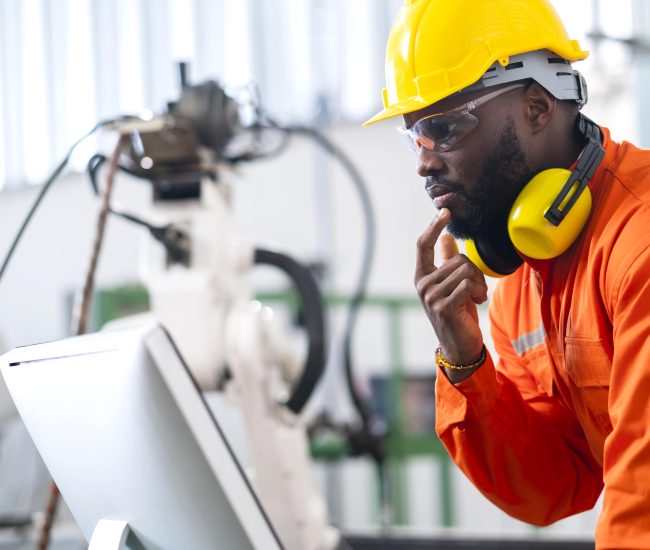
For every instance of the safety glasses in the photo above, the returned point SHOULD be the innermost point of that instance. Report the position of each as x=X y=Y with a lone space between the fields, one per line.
x=443 y=131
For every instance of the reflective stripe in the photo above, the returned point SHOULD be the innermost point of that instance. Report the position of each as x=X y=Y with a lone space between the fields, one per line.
x=529 y=340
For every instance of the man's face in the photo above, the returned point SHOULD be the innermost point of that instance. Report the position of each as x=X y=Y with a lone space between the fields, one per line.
x=479 y=178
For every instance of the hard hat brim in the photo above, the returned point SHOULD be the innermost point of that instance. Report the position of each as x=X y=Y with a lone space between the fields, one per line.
x=396 y=110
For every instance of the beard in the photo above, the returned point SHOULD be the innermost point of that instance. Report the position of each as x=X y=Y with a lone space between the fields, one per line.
x=505 y=173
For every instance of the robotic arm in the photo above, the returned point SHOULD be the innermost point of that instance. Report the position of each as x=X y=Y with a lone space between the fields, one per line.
x=200 y=290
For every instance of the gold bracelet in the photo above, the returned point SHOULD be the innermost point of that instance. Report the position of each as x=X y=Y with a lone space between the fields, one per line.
x=441 y=361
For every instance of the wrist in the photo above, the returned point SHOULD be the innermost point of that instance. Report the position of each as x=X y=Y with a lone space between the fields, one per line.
x=451 y=363
x=457 y=372
x=464 y=354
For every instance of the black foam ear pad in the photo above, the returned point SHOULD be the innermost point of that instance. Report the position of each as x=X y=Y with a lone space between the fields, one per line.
x=498 y=253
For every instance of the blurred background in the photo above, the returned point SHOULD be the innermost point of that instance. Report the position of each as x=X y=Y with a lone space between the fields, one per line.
x=66 y=64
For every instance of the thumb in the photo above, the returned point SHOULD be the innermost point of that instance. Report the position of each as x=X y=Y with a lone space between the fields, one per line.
x=448 y=247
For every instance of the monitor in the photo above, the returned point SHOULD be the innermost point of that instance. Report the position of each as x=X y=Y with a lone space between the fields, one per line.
x=128 y=437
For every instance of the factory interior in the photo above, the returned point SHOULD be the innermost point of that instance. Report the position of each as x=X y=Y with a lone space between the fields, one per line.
x=253 y=270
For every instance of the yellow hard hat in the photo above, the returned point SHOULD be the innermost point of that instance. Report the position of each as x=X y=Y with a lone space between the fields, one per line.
x=438 y=47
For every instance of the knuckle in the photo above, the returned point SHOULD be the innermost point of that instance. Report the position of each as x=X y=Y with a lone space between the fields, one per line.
x=423 y=242
x=466 y=269
x=439 y=308
x=465 y=285
x=453 y=263
x=430 y=300
x=470 y=265
x=421 y=285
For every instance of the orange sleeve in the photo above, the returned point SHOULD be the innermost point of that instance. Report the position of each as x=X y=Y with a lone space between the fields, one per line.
x=517 y=443
x=625 y=519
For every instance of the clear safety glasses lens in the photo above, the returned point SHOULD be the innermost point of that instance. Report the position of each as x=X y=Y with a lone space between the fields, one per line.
x=438 y=132
x=443 y=131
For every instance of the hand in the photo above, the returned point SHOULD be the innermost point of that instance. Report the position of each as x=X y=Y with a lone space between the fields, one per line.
x=449 y=293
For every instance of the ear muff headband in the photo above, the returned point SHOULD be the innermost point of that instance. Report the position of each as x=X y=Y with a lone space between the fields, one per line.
x=588 y=162
x=547 y=216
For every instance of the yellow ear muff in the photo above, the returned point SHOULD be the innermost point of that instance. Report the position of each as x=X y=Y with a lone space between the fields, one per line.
x=531 y=233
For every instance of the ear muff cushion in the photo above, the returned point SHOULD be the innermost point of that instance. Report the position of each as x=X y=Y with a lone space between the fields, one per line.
x=495 y=257
x=531 y=233
x=475 y=258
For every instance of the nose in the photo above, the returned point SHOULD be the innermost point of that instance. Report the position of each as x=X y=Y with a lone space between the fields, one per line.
x=429 y=162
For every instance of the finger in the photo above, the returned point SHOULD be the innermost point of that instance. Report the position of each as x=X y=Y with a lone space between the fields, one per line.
x=448 y=247
x=457 y=268
x=432 y=288
x=424 y=263
x=467 y=292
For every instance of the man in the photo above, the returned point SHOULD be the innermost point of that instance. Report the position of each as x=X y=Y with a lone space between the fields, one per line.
x=490 y=101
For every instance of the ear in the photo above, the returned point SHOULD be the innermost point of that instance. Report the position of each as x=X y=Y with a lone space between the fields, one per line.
x=540 y=107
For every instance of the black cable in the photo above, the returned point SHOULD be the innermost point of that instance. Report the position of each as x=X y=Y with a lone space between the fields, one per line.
x=15 y=521
x=362 y=283
x=367 y=418
x=44 y=189
x=257 y=153
x=94 y=164
x=314 y=323
x=370 y=438
x=259 y=128
x=172 y=237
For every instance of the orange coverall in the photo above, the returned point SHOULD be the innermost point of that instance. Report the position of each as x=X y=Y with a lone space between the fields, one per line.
x=566 y=410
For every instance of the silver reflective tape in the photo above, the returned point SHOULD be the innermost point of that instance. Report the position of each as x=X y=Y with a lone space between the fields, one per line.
x=529 y=340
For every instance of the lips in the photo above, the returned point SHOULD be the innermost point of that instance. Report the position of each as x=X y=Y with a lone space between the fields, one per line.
x=440 y=194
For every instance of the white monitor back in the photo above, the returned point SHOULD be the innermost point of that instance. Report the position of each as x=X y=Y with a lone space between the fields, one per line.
x=127 y=436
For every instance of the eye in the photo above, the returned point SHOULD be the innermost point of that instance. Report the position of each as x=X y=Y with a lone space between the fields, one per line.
x=440 y=130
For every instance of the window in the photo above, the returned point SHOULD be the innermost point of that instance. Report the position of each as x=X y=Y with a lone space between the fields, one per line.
x=65 y=64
